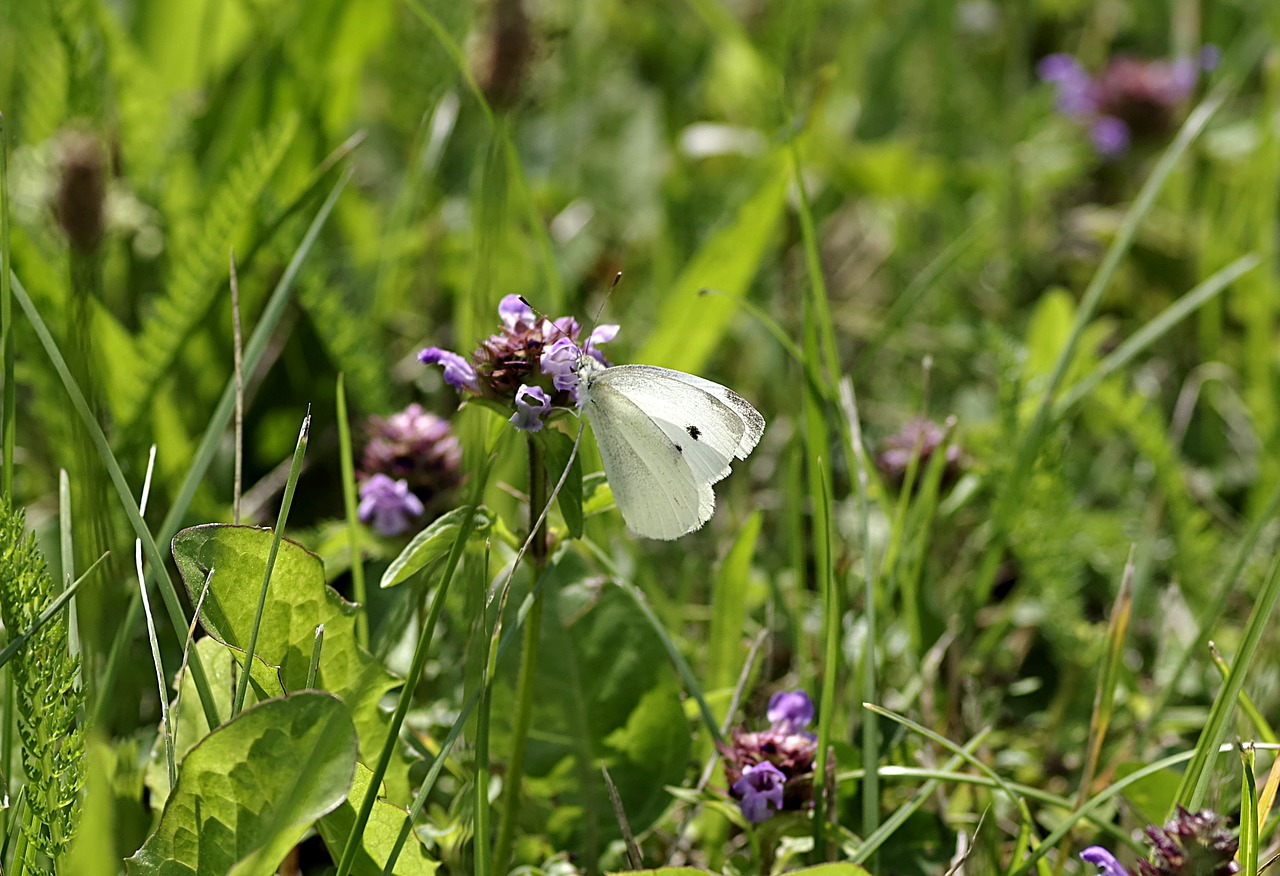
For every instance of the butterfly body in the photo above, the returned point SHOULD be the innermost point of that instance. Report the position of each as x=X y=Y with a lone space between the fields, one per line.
x=665 y=437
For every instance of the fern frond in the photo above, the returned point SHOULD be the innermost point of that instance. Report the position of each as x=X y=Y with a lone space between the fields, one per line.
x=42 y=73
x=351 y=340
x=198 y=277
x=48 y=702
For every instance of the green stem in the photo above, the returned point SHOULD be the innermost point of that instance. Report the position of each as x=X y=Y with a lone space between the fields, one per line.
x=528 y=661
x=358 y=591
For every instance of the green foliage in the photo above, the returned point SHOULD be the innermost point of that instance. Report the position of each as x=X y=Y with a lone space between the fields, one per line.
x=49 y=699
x=298 y=602
x=251 y=789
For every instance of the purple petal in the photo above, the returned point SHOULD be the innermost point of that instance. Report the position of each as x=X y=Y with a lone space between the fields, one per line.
x=559 y=362
x=457 y=370
x=1110 y=136
x=513 y=311
x=531 y=403
x=760 y=785
x=1105 y=861
x=789 y=711
x=388 y=504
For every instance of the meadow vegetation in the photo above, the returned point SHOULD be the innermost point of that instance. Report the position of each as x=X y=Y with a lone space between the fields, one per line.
x=281 y=594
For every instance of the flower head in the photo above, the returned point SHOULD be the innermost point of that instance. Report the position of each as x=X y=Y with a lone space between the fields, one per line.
x=760 y=785
x=1191 y=844
x=920 y=438
x=417 y=447
x=785 y=748
x=530 y=364
x=1131 y=98
x=388 y=504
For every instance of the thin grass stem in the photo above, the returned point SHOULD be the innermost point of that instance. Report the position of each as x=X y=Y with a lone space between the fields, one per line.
x=313 y=668
x=299 y=450
x=156 y=659
x=347 y=459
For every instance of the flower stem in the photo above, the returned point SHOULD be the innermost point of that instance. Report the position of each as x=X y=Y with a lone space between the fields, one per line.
x=528 y=661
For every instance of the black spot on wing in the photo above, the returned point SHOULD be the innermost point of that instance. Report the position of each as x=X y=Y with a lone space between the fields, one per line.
x=679 y=449
x=694 y=432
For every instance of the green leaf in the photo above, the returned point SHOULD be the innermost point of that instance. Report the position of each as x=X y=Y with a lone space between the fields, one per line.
x=433 y=543
x=604 y=691
x=727 y=263
x=251 y=790
x=199 y=275
x=299 y=600
x=559 y=447
x=378 y=837
x=724 y=650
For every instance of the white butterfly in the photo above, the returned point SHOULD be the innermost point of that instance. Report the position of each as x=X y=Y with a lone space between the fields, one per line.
x=665 y=437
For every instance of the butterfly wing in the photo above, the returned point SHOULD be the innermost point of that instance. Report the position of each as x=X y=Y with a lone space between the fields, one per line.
x=705 y=426
x=653 y=486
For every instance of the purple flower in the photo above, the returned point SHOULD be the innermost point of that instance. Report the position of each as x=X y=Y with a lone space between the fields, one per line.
x=760 y=785
x=790 y=711
x=560 y=363
x=457 y=371
x=416 y=446
x=389 y=504
x=529 y=352
x=1105 y=861
x=531 y=404
x=515 y=313
x=1074 y=96
x=1110 y=136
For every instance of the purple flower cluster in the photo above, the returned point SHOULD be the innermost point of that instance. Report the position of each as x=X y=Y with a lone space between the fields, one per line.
x=772 y=770
x=1130 y=98
x=1191 y=844
x=411 y=461
x=920 y=438
x=531 y=363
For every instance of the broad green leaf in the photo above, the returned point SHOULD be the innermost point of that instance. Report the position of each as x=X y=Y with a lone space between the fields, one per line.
x=251 y=790
x=433 y=543
x=379 y=835
x=221 y=663
x=727 y=263
x=559 y=446
x=604 y=691
x=297 y=602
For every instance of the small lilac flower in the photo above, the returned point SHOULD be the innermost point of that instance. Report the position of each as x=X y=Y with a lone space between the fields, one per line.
x=559 y=362
x=601 y=334
x=790 y=711
x=1110 y=136
x=458 y=372
x=1105 y=861
x=388 y=504
x=514 y=312
x=920 y=438
x=1074 y=97
x=531 y=404
x=760 y=785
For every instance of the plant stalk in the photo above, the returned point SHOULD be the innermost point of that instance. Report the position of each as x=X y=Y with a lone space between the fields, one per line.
x=528 y=660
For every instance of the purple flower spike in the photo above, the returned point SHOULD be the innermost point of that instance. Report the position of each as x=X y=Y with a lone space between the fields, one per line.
x=1110 y=136
x=458 y=372
x=1105 y=861
x=531 y=404
x=790 y=711
x=760 y=785
x=513 y=312
x=389 y=504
